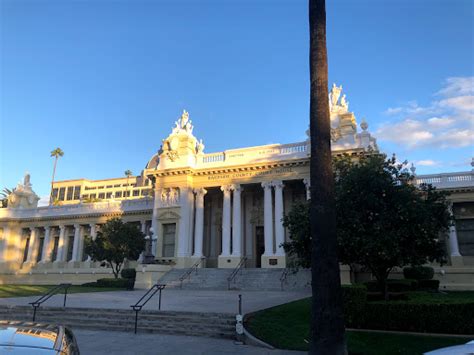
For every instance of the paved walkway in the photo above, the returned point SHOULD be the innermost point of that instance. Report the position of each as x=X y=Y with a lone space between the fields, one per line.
x=118 y=343
x=172 y=300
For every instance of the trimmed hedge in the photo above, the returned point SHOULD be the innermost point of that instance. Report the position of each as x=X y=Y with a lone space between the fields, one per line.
x=129 y=273
x=112 y=283
x=418 y=272
x=435 y=318
x=394 y=285
x=354 y=298
x=431 y=285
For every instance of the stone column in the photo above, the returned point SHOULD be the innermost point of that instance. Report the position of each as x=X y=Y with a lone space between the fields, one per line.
x=46 y=254
x=93 y=231
x=4 y=257
x=226 y=220
x=154 y=218
x=185 y=228
x=75 y=246
x=143 y=230
x=455 y=255
x=279 y=229
x=307 y=184
x=80 y=255
x=237 y=222
x=199 y=222
x=268 y=218
x=61 y=254
x=32 y=247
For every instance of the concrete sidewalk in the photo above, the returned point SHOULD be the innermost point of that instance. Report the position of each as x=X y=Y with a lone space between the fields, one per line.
x=118 y=343
x=172 y=300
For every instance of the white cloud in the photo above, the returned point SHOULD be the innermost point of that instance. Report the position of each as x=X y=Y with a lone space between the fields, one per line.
x=44 y=201
x=447 y=122
x=427 y=162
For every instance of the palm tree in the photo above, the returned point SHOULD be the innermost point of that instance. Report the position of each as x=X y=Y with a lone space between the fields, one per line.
x=327 y=321
x=56 y=154
x=4 y=196
x=127 y=173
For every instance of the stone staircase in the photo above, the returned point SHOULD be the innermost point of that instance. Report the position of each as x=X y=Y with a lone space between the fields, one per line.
x=217 y=325
x=247 y=279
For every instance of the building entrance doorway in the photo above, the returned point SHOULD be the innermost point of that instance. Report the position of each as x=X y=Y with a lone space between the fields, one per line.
x=259 y=245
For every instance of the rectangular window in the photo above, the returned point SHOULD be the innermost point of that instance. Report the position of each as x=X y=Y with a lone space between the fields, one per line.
x=136 y=192
x=169 y=234
x=55 y=194
x=118 y=185
x=100 y=187
x=93 y=195
x=118 y=194
x=39 y=254
x=85 y=197
x=70 y=245
x=145 y=192
x=465 y=231
x=126 y=194
x=62 y=192
x=25 y=251
x=108 y=187
x=70 y=192
x=101 y=195
x=77 y=192
x=54 y=254
x=108 y=195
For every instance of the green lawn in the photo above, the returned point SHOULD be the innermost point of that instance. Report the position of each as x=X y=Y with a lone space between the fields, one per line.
x=287 y=327
x=33 y=290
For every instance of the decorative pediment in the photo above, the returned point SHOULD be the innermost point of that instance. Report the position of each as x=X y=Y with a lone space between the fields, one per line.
x=168 y=215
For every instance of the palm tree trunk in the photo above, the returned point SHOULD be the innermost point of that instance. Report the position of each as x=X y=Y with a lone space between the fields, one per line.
x=52 y=181
x=327 y=320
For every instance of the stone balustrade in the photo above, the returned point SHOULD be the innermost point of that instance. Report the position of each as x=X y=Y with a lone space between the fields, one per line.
x=448 y=180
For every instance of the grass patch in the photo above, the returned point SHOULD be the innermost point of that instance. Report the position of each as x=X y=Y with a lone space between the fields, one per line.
x=36 y=290
x=287 y=327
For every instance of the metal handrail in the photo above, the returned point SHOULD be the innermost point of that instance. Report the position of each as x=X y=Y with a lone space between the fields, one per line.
x=187 y=274
x=137 y=307
x=48 y=295
x=234 y=273
x=283 y=277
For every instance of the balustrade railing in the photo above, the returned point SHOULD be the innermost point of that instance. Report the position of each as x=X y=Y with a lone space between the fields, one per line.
x=188 y=272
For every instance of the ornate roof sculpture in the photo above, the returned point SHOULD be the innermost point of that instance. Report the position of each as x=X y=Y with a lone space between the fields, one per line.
x=344 y=133
x=23 y=196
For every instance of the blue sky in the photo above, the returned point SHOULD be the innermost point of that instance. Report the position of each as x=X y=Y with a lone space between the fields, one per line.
x=105 y=80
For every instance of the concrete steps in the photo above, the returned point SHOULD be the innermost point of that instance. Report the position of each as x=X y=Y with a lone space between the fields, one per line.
x=246 y=279
x=220 y=325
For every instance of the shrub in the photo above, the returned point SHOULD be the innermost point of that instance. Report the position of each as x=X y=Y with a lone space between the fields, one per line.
x=394 y=285
x=354 y=298
x=418 y=272
x=457 y=318
x=118 y=283
x=431 y=285
x=129 y=273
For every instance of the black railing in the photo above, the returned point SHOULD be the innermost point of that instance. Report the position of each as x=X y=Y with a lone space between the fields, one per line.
x=48 y=295
x=283 y=277
x=238 y=268
x=137 y=307
x=187 y=274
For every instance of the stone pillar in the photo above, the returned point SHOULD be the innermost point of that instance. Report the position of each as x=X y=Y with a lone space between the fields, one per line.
x=184 y=235
x=143 y=230
x=268 y=218
x=32 y=252
x=226 y=221
x=307 y=184
x=237 y=222
x=199 y=222
x=61 y=254
x=77 y=242
x=46 y=254
x=455 y=255
x=154 y=218
x=5 y=245
x=93 y=231
x=80 y=255
x=279 y=229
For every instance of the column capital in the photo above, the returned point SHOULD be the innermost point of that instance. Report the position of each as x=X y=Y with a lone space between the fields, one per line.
x=267 y=185
x=62 y=227
x=226 y=189
x=278 y=184
x=237 y=188
x=201 y=191
x=307 y=182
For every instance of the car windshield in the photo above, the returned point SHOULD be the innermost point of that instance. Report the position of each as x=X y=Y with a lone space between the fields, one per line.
x=18 y=336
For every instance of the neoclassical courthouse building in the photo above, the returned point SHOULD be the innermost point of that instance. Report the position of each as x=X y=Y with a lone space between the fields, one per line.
x=221 y=206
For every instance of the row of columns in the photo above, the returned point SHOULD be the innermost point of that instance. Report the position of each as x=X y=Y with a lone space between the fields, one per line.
x=232 y=220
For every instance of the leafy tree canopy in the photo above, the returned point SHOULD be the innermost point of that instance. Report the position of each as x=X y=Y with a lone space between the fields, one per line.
x=383 y=219
x=115 y=242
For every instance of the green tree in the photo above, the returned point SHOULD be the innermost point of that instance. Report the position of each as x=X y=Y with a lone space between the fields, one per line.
x=57 y=153
x=115 y=242
x=327 y=319
x=383 y=219
x=127 y=173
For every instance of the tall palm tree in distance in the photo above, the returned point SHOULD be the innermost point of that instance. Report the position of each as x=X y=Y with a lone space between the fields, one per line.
x=327 y=321
x=127 y=173
x=57 y=153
